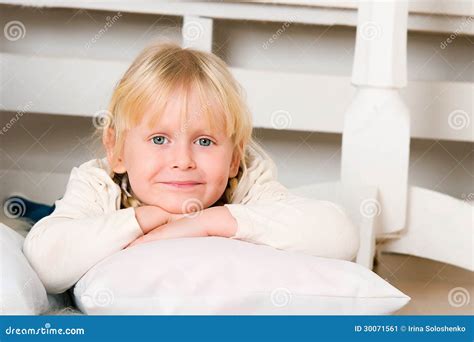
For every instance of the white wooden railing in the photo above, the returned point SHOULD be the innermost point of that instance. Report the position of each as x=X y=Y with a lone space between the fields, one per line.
x=375 y=151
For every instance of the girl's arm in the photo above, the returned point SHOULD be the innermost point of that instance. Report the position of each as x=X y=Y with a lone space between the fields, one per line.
x=289 y=222
x=278 y=219
x=215 y=221
x=85 y=228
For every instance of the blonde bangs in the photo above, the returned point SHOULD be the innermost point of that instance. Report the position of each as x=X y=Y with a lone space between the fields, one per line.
x=186 y=113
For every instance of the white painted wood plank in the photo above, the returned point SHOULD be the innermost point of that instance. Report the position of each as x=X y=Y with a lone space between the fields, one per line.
x=57 y=85
x=439 y=227
x=420 y=20
x=451 y=7
x=279 y=100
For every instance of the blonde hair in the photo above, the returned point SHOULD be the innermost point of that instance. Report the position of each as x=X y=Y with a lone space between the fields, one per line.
x=150 y=80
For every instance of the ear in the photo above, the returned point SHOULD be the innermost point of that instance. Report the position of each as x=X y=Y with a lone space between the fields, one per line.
x=235 y=163
x=115 y=161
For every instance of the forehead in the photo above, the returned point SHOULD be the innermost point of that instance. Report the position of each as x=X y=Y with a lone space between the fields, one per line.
x=185 y=110
x=172 y=122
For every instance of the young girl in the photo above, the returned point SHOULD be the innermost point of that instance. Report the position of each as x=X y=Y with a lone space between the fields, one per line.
x=180 y=162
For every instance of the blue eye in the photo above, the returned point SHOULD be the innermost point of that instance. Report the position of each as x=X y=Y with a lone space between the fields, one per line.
x=205 y=142
x=158 y=140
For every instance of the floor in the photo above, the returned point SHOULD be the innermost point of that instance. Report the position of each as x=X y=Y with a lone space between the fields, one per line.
x=435 y=288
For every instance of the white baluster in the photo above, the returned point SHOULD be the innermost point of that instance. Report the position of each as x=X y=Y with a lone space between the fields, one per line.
x=376 y=136
x=197 y=33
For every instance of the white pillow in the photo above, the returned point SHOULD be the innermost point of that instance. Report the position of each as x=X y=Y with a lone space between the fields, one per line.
x=221 y=276
x=21 y=291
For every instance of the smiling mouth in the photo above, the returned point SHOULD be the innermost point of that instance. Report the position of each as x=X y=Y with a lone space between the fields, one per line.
x=182 y=185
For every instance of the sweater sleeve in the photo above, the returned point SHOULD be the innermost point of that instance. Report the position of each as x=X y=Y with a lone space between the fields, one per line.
x=81 y=231
x=286 y=221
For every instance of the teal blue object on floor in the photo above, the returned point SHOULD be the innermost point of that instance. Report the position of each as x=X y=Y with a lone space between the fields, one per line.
x=22 y=208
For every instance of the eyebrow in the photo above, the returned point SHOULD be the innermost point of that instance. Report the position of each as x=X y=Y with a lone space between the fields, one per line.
x=193 y=132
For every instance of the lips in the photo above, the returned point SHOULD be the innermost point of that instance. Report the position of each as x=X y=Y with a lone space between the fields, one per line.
x=182 y=184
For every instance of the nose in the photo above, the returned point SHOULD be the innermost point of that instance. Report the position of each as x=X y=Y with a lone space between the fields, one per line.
x=182 y=157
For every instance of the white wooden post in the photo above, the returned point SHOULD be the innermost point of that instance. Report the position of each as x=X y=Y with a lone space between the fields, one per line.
x=376 y=134
x=197 y=33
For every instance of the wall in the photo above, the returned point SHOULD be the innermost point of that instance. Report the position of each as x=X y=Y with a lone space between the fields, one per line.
x=39 y=150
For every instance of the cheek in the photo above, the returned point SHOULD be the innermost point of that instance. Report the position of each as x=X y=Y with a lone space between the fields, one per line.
x=132 y=153
x=218 y=167
x=141 y=166
x=219 y=175
x=144 y=169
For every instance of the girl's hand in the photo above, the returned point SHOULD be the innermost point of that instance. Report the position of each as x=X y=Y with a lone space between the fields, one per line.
x=178 y=228
x=150 y=217
x=216 y=221
x=175 y=217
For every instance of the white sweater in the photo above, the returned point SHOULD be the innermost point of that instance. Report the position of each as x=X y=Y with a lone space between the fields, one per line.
x=88 y=224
